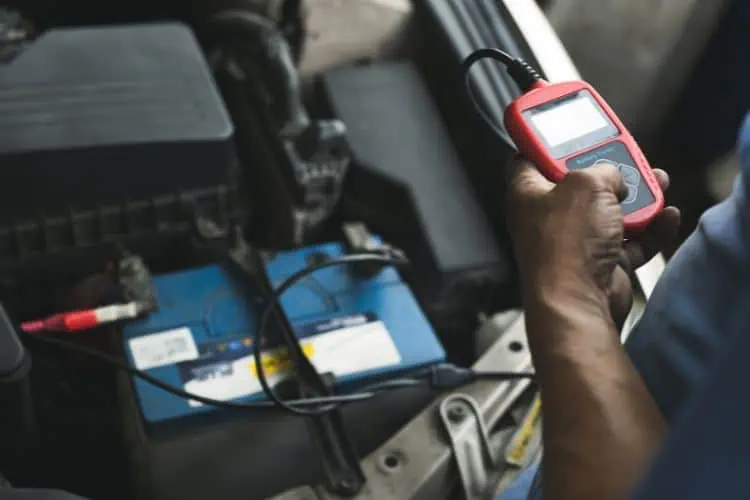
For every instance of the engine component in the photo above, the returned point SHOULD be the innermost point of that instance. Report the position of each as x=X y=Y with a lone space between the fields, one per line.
x=15 y=33
x=109 y=135
x=407 y=183
x=358 y=329
x=18 y=430
x=454 y=29
x=299 y=163
x=447 y=444
x=135 y=281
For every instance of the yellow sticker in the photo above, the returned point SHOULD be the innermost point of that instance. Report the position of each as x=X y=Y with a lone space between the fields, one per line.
x=276 y=362
x=519 y=445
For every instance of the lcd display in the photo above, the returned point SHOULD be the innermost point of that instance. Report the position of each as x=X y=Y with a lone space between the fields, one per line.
x=569 y=121
x=571 y=124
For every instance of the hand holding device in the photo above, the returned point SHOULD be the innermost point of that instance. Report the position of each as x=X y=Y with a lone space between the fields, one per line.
x=568 y=126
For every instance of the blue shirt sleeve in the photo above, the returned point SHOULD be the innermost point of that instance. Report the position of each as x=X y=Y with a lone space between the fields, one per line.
x=707 y=451
x=692 y=349
x=700 y=302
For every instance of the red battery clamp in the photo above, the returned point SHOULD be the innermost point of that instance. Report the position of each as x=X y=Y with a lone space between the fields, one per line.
x=568 y=126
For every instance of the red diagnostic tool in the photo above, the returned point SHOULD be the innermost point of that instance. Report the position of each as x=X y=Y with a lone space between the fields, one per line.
x=569 y=126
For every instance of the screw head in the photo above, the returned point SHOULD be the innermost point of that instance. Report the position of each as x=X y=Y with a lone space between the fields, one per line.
x=457 y=413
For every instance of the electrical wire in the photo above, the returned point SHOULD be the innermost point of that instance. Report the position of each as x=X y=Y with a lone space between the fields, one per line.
x=440 y=377
x=498 y=86
x=273 y=300
x=146 y=377
x=522 y=73
x=497 y=129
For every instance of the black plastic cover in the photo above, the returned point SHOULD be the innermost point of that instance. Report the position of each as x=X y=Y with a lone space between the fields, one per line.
x=408 y=183
x=97 y=116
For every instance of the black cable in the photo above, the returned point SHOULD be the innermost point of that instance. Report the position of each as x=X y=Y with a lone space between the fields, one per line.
x=254 y=405
x=443 y=376
x=499 y=85
x=522 y=73
x=393 y=259
x=446 y=376
x=500 y=132
x=440 y=377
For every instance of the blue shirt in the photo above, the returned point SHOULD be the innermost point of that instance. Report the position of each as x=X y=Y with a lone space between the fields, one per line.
x=692 y=347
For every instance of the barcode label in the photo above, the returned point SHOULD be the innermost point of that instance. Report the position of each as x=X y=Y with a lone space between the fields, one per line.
x=163 y=348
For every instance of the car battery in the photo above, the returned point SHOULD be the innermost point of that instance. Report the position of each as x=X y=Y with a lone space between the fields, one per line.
x=360 y=329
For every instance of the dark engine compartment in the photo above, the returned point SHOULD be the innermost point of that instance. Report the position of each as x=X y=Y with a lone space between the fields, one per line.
x=172 y=130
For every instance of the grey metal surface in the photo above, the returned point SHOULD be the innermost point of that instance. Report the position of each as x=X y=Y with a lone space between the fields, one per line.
x=636 y=52
x=470 y=440
x=541 y=38
x=418 y=462
x=345 y=31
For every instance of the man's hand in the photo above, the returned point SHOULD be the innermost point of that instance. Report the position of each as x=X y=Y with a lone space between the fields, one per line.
x=601 y=426
x=658 y=236
x=569 y=237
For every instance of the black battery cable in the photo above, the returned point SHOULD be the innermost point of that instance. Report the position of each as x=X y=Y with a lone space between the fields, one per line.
x=438 y=377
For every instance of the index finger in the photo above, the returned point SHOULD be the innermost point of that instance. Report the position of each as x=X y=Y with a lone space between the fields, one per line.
x=526 y=180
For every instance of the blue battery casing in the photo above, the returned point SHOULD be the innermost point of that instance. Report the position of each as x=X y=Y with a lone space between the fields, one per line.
x=362 y=329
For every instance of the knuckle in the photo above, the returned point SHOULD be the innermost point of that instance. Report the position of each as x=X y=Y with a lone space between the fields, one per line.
x=598 y=178
x=583 y=179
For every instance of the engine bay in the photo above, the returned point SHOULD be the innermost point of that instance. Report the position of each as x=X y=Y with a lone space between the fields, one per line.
x=171 y=182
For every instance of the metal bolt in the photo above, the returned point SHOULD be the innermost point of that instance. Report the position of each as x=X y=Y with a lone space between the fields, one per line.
x=457 y=413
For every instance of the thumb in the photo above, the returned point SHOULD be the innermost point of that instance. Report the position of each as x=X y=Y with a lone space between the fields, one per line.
x=526 y=180
x=605 y=176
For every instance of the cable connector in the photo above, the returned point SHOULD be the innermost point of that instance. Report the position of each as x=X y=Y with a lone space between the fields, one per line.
x=75 y=321
x=359 y=240
x=446 y=376
x=524 y=74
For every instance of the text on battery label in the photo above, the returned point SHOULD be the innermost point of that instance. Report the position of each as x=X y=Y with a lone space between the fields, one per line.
x=163 y=348
x=278 y=361
x=342 y=352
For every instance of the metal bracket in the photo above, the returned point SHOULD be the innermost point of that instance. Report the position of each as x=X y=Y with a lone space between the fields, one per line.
x=418 y=462
x=470 y=441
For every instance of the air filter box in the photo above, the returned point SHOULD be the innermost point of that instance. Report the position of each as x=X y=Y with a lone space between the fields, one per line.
x=104 y=132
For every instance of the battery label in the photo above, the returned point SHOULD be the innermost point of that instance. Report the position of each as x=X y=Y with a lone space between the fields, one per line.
x=342 y=346
x=163 y=348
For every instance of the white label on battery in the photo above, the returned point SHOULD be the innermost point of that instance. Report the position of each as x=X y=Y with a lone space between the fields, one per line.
x=163 y=348
x=342 y=352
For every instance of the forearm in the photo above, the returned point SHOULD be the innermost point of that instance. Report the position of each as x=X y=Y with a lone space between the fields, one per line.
x=601 y=427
